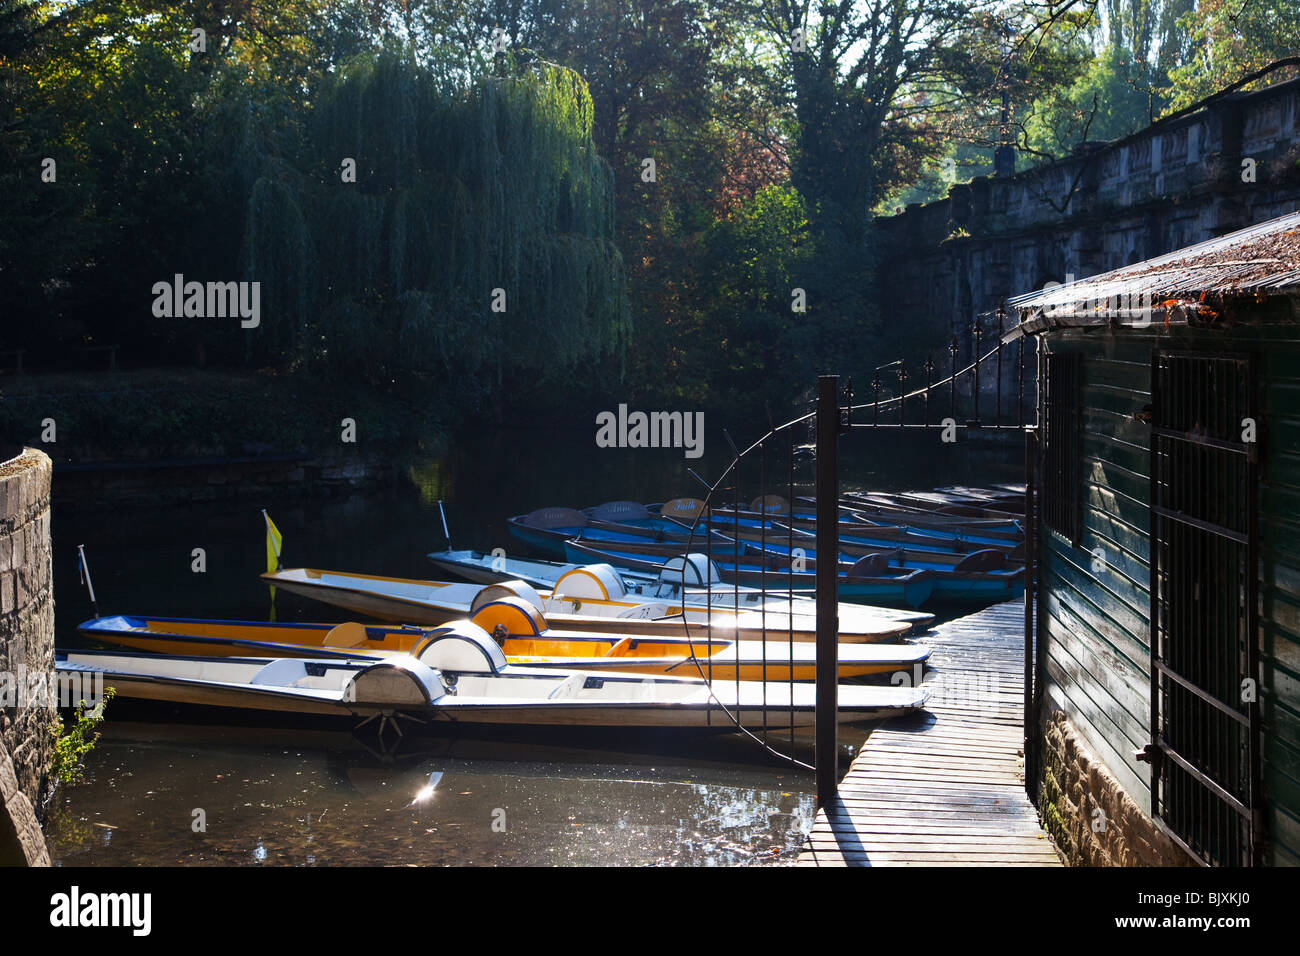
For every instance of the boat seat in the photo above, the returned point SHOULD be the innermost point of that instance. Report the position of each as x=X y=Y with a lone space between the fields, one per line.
x=285 y=672
x=350 y=634
x=619 y=511
x=548 y=518
x=990 y=559
x=871 y=565
x=621 y=647
x=569 y=687
x=770 y=505
x=683 y=509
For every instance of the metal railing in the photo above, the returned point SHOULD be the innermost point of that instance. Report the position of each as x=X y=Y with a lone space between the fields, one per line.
x=976 y=396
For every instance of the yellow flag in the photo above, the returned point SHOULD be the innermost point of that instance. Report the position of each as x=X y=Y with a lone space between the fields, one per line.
x=273 y=542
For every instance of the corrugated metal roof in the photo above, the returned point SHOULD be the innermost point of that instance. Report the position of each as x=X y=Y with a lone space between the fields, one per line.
x=1260 y=260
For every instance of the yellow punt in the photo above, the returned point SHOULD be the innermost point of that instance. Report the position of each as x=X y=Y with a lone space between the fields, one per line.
x=524 y=636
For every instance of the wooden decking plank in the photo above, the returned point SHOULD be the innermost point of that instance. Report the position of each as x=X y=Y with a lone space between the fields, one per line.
x=945 y=786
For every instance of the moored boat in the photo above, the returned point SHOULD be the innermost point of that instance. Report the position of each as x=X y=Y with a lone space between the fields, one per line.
x=756 y=529
x=981 y=576
x=463 y=677
x=910 y=588
x=546 y=529
x=525 y=637
x=588 y=598
x=703 y=586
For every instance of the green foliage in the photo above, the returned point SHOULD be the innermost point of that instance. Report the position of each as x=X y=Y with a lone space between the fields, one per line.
x=521 y=169
x=759 y=254
x=459 y=192
x=224 y=164
x=1111 y=99
x=73 y=743
x=1228 y=40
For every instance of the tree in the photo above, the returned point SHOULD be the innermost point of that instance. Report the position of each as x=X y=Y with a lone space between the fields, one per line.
x=475 y=246
x=1230 y=39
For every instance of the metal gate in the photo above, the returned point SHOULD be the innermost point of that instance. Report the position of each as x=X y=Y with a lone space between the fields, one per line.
x=988 y=394
x=1205 y=777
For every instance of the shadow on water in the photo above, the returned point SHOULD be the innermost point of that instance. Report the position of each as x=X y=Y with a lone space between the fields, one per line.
x=304 y=794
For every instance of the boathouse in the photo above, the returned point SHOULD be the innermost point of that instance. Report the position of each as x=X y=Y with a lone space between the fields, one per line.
x=1163 y=715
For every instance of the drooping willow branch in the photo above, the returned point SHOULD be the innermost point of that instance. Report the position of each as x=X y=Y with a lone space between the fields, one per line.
x=459 y=191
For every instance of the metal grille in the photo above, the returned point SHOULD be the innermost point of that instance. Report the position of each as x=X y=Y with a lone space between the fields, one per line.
x=1204 y=654
x=1061 y=477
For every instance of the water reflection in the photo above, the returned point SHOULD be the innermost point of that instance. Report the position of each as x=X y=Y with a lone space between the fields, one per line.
x=327 y=800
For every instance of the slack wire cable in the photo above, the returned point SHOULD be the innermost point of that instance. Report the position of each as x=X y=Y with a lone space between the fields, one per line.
x=762 y=613
x=694 y=658
x=708 y=589
x=708 y=679
x=736 y=551
x=789 y=570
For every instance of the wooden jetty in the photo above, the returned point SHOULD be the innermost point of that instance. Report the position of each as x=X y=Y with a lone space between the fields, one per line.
x=945 y=787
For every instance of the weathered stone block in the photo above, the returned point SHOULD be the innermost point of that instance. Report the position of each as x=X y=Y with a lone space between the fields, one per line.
x=1076 y=783
x=21 y=841
x=26 y=615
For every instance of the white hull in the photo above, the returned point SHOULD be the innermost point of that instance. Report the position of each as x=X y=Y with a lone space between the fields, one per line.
x=436 y=602
x=511 y=695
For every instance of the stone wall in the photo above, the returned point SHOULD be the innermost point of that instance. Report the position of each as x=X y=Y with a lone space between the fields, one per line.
x=21 y=840
x=1093 y=821
x=1111 y=204
x=26 y=637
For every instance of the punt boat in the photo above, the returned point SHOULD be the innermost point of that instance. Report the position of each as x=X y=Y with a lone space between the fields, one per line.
x=991 y=531
x=584 y=599
x=546 y=529
x=703 y=588
x=524 y=635
x=869 y=507
x=463 y=677
x=904 y=586
x=988 y=575
x=755 y=528
x=927 y=503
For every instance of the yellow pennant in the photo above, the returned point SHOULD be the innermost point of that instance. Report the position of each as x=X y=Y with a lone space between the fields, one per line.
x=274 y=541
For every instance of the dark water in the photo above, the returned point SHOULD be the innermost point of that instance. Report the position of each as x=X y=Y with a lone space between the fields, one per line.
x=305 y=795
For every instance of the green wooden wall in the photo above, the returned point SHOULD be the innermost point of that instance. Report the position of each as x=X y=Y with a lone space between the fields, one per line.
x=1095 y=624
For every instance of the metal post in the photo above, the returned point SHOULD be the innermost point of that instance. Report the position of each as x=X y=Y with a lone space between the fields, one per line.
x=1031 y=555
x=828 y=550
x=84 y=569
x=446 y=535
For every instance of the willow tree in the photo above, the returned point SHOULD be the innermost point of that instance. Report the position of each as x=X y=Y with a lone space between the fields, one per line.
x=416 y=206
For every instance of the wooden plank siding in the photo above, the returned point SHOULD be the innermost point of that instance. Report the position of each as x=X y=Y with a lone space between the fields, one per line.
x=1095 y=625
